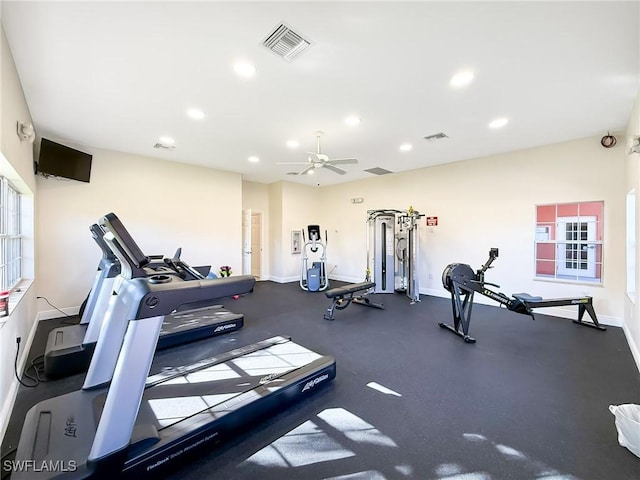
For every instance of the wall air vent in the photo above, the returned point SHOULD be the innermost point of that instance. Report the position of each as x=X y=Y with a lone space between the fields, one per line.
x=286 y=43
x=378 y=171
x=436 y=136
x=162 y=146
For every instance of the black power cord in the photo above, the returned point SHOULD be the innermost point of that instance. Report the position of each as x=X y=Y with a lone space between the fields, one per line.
x=61 y=311
x=15 y=369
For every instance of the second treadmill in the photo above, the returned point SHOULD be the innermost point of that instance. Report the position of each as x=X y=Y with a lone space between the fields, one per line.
x=69 y=349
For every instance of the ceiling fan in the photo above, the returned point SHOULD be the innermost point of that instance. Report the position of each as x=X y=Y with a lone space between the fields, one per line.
x=318 y=159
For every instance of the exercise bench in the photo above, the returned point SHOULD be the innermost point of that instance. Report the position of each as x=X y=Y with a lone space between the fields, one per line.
x=343 y=296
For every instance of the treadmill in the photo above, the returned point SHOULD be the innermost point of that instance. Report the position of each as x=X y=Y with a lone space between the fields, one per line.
x=138 y=425
x=69 y=349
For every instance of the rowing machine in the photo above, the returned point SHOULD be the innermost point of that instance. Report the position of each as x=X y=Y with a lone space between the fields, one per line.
x=462 y=282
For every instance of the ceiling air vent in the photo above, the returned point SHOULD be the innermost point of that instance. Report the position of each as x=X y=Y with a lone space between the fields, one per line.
x=286 y=43
x=162 y=146
x=378 y=171
x=436 y=136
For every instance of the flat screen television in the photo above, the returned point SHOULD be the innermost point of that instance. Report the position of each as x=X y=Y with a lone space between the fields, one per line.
x=62 y=161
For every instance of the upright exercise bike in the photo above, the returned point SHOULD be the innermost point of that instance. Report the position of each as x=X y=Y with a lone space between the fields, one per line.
x=314 y=279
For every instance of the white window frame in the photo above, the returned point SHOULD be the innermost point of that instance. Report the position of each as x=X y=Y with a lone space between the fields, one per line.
x=542 y=234
x=631 y=245
x=11 y=248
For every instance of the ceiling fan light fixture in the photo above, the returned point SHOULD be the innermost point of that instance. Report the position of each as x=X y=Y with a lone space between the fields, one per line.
x=318 y=159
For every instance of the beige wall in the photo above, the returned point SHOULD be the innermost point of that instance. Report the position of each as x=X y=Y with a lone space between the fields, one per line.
x=291 y=207
x=165 y=205
x=275 y=242
x=632 y=303
x=490 y=202
x=301 y=207
x=16 y=163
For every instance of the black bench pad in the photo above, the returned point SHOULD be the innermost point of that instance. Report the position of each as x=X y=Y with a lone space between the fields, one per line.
x=347 y=289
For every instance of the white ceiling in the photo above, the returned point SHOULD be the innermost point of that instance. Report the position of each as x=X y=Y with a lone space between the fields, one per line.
x=118 y=75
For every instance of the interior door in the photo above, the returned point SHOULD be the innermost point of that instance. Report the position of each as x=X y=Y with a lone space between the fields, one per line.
x=256 y=244
x=576 y=246
x=246 y=242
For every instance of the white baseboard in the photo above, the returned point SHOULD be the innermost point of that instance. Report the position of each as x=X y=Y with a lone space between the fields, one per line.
x=635 y=348
x=49 y=314
x=344 y=278
x=284 y=279
x=10 y=400
x=570 y=312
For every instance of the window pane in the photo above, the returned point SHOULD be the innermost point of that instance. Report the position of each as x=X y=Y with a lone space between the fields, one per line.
x=568 y=210
x=546 y=213
x=545 y=231
x=569 y=248
x=545 y=268
x=591 y=209
x=10 y=240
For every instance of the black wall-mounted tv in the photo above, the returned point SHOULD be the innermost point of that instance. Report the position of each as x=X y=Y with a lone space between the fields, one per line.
x=62 y=161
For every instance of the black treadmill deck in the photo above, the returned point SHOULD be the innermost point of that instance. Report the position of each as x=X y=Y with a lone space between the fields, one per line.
x=65 y=354
x=182 y=409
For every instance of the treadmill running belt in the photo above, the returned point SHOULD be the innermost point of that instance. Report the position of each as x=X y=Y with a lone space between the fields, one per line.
x=181 y=408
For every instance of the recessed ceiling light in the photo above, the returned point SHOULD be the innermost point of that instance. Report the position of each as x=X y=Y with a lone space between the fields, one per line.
x=310 y=172
x=293 y=143
x=195 y=114
x=405 y=147
x=352 y=120
x=461 y=79
x=167 y=140
x=499 y=122
x=254 y=159
x=244 y=69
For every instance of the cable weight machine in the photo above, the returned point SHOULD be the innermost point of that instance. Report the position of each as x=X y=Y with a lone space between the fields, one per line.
x=392 y=251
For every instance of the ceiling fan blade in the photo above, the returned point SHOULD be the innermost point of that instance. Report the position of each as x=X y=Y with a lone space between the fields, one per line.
x=310 y=167
x=343 y=161
x=334 y=169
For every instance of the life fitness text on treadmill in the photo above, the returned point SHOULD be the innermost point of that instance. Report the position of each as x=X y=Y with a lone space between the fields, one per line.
x=224 y=327
x=315 y=382
x=180 y=452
